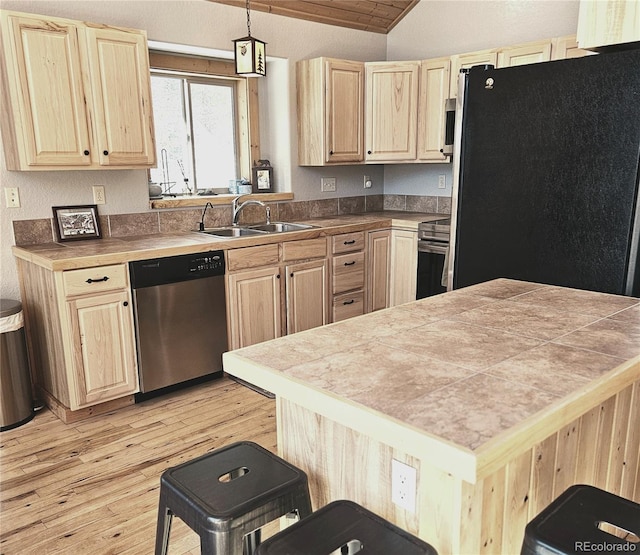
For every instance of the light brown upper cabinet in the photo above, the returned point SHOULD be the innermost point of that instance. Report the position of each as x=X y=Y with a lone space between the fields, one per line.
x=391 y=106
x=522 y=54
x=78 y=97
x=465 y=61
x=330 y=111
x=434 y=91
x=608 y=22
x=564 y=48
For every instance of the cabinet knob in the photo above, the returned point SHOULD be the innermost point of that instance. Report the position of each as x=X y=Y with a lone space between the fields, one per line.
x=291 y=274
x=368 y=152
x=125 y=303
x=278 y=276
x=105 y=152
x=331 y=152
x=86 y=153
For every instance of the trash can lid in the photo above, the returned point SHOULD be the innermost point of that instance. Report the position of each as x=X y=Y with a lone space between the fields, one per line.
x=9 y=307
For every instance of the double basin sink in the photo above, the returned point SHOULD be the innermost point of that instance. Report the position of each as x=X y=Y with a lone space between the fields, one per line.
x=260 y=229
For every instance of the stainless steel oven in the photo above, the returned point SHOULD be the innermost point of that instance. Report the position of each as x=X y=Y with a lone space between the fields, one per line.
x=433 y=255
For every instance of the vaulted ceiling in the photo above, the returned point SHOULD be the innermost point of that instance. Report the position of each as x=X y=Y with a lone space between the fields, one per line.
x=378 y=16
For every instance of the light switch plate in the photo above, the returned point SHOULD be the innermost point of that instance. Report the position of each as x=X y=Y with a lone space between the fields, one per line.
x=12 y=197
x=328 y=184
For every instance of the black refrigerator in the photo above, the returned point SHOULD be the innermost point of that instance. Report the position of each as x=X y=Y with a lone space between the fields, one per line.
x=546 y=172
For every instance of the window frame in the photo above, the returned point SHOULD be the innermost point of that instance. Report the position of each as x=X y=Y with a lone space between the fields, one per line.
x=246 y=97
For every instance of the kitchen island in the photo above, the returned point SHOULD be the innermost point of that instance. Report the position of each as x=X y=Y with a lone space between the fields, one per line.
x=501 y=395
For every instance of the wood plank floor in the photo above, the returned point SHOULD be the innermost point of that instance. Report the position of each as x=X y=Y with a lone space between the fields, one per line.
x=92 y=487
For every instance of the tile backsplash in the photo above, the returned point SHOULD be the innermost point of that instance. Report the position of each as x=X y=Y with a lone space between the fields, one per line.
x=30 y=232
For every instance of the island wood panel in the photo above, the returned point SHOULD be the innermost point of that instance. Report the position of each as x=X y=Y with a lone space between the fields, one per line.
x=43 y=330
x=600 y=448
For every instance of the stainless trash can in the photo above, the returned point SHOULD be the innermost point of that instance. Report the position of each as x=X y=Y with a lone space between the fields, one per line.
x=16 y=404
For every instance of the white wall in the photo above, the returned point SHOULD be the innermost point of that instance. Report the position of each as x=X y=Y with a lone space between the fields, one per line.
x=204 y=24
x=437 y=28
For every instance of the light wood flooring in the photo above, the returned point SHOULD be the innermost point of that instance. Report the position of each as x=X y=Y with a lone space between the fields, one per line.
x=92 y=487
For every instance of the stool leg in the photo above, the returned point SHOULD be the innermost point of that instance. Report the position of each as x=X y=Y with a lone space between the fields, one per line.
x=163 y=529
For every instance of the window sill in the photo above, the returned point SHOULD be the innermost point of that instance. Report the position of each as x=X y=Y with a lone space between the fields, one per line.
x=197 y=200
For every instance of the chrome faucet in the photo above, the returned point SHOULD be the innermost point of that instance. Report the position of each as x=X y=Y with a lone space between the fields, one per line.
x=237 y=208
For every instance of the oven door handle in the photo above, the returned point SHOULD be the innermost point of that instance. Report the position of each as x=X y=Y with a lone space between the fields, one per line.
x=425 y=246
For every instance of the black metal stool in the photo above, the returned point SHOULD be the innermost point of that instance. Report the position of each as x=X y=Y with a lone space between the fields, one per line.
x=347 y=528
x=579 y=519
x=225 y=496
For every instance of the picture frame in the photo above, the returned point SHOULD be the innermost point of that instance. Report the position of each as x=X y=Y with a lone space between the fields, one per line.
x=263 y=177
x=76 y=223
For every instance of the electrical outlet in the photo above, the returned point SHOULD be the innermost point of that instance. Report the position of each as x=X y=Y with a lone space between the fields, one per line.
x=367 y=182
x=12 y=197
x=328 y=184
x=403 y=485
x=442 y=182
x=98 y=194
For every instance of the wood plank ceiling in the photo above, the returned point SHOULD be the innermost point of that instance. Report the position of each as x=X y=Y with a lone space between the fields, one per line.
x=378 y=16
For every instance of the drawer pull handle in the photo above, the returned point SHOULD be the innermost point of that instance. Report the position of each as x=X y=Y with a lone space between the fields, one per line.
x=349 y=302
x=350 y=242
x=105 y=278
x=350 y=263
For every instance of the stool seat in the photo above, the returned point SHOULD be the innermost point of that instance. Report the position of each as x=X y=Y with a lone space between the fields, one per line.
x=228 y=494
x=580 y=517
x=344 y=527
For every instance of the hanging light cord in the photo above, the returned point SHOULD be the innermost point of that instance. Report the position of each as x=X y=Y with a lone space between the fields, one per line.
x=248 y=19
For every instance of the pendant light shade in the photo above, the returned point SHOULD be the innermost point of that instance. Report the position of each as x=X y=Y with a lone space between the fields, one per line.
x=250 y=54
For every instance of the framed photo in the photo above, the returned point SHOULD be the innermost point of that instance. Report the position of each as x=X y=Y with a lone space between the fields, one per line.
x=263 y=177
x=74 y=223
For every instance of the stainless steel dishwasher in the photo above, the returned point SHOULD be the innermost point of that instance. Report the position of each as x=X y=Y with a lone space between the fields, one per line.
x=180 y=319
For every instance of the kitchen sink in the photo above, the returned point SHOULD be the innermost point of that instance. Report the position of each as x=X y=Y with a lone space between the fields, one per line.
x=232 y=231
x=280 y=227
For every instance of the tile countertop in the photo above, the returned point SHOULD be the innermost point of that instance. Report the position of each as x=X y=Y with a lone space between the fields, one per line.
x=476 y=370
x=100 y=252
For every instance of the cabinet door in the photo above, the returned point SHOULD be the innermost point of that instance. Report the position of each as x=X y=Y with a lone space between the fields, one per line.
x=464 y=61
x=530 y=53
x=404 y=266
x=104 y=361
x=253 y=306
x=608 y=22
x=43 y=71
x=567 y=47
x=307 y=296
x=345 y=111
x=379 y=252
x=120 y=80
x=391 y=110
x=434 y=91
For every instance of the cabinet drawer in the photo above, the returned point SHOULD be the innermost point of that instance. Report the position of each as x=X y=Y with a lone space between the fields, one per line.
x=305 y=248
x=347 y=242
x=348 y=305
x=348 y=272
x=95 y=280
x=252 y=257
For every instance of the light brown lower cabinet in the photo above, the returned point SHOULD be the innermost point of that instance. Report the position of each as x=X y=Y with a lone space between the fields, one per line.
x=392 y=266
x=80 y=335
x=287 y=296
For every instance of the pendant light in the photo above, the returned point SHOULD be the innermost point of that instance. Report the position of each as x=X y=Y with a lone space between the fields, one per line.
x=250 y=53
